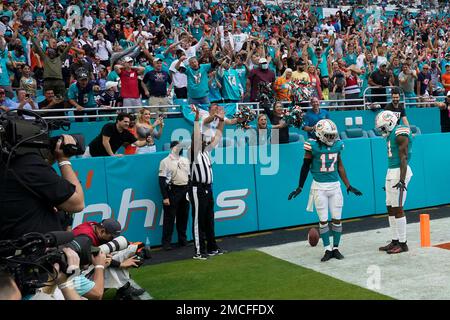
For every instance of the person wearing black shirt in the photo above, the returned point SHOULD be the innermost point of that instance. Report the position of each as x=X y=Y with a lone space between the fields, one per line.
x=445 y=119
x=380 y=79
x=276 y=118
x=159 y=84
x=424 y=81
x=397 y=108
x=52 y=102
x=32 y=192
x=112 y=137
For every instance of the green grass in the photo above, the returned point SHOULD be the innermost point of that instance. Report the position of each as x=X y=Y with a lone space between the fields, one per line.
x=243 y=275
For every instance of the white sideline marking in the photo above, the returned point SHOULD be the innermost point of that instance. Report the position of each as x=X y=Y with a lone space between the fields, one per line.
x=421 y=273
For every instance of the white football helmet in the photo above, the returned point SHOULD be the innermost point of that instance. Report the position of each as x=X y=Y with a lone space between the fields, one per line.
x=385 y=122
x=326 y=131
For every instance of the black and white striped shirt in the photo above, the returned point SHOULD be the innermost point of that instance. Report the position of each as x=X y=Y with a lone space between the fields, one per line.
x=201 y=170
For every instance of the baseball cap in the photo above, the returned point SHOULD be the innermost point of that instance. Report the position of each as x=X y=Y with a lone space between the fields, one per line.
x=112 y=226
x=326 y=40
x=82 y=75
x=284 y=56
x=111 y=84
x=157 y=59
x=128 y=59
x=262 y=60
x=448 y=93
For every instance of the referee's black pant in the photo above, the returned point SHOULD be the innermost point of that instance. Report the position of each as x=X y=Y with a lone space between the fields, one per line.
x=179 y=209
x=202 y=202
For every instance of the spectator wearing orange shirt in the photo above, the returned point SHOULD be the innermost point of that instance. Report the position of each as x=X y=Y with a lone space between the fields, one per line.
x=282 y=86
x=446 y=79
x=130 y=149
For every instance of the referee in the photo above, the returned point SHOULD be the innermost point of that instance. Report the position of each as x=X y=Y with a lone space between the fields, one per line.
x=173 y=182
x=200 y=190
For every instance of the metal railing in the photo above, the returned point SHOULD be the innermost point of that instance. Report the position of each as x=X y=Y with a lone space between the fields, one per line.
x=424 y=101
x=336 y=104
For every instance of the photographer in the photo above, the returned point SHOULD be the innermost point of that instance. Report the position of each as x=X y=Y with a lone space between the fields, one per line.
x=116 y=274
x=63 y=283
x=31 y=190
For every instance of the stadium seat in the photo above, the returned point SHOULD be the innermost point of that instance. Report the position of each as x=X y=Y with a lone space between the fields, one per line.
x=374 y=134
x=353 y=133
x=180 y=101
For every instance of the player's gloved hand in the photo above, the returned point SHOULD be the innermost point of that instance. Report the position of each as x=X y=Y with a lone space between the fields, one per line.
x=400 y=186
x=354 y=190
x=295 y=193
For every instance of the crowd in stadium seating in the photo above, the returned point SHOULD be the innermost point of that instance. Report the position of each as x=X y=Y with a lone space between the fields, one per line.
x=84 y=54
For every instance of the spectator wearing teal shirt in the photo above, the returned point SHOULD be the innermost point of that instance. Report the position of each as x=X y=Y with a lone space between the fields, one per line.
x=232 y=90
x=350 y=55
x=215 y=86
x=197 y=78
x=319 y=58
x=81 y=97
x=196 y=27
x=184 y=10
x=242 y=72
x=5 y=82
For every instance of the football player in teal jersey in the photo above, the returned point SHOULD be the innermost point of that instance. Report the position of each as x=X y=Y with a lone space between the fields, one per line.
x=323 y=159
x=399 y=146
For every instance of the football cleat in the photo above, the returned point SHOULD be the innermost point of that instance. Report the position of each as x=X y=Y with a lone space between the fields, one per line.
x=337 y=254
x=401 y=247
x=391 y=245
x=327 y=256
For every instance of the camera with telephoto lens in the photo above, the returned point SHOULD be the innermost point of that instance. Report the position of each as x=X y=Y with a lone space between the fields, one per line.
x=114 y=245
x=30 y=258
x=19 y=136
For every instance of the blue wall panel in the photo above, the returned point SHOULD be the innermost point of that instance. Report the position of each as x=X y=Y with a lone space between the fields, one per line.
x=247 y=198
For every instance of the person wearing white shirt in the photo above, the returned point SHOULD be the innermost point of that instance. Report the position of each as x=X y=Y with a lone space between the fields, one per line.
x=239 y=39
x=87 y=21
x=179 y=78
x=103 y=48
x=189 y=50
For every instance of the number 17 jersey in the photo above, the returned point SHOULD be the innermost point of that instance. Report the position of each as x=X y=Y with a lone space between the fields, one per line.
x=324 y=166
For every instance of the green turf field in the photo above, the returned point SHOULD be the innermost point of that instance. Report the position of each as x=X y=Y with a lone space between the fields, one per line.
x=243 y=275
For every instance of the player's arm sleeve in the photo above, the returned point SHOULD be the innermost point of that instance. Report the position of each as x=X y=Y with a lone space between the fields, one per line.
x=306 y=165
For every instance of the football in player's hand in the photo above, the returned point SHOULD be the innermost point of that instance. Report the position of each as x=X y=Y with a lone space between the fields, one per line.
x=313 y=237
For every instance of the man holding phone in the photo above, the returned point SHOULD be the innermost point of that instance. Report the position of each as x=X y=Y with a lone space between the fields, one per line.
x=25 y=102
x=52 y=102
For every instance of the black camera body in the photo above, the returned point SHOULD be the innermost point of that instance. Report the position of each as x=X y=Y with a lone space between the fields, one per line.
x=30 y=259
x=19 y=136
